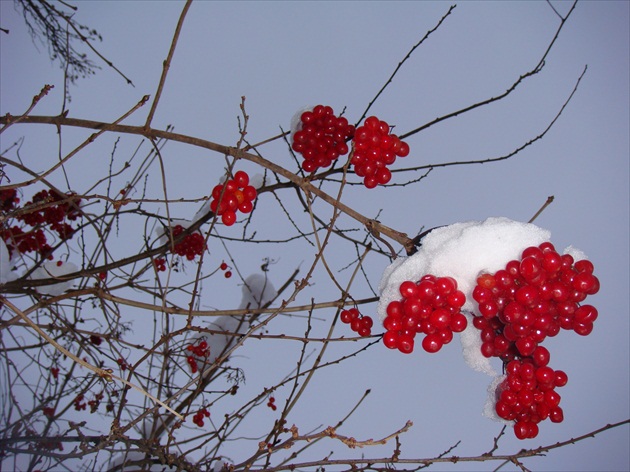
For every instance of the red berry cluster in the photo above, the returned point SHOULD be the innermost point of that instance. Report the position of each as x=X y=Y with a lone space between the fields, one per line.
x=531 y=299
x=322 y=137
x=79 y=403
x=200 y=415
x=430 y=306
x=96 y=339
x=375 y=149
x=122 y=363
x=226 y=273
x=527 y=396
x=199 y=350
x=160 y=264
x=520 y=306
x=272 y=403
x=360 y=324
x=95 y=403
x=51 y=208
x=235 y=195
x=55 y=372
x=8 y=200
x=48 y=411
x=191 y=246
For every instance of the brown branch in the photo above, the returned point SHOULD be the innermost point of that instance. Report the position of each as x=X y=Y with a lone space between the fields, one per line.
x=150 y=133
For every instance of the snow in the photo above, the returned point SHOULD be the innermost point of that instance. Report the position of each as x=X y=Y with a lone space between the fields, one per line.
x=257 y=291
x=489 y=410
x=52 y=269
x=6 y=274
x=257 y=180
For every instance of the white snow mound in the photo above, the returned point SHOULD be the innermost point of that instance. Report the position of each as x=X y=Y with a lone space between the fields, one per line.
x=51 y=269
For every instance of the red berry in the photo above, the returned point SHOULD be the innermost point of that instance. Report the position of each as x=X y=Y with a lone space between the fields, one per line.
x=228 y=218
x=405 y=343
x=432 y=343
x=390 y=339
x=241 y=178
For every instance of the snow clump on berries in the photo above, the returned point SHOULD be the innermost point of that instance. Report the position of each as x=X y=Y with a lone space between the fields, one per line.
x=463 y=251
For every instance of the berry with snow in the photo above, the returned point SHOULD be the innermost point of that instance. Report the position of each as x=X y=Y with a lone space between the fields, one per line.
x=531 y=299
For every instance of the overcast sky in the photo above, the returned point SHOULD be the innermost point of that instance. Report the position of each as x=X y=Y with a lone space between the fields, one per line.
x=284 y=55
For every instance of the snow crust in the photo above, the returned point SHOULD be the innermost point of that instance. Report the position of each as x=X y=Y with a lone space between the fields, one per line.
x=463 y=251
x=51 y=269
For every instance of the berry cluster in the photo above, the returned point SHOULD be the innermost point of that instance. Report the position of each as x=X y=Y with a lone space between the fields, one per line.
x=224 y=267
x=360 y=324
x=79 y=403
x=527 y=396
x=235 y=195
x=96 y=339
x=48 y=411
x=200 y=415
x=95 y=403
x=520 y=306
x=160 y=264
x=122 y=363
x=199 y=350
x=531 y=299
x=55 y=372
x=8 y=200
x=191 y=246
x=322 y=137
x=430 y=306
x=375 y=149
x=272 y=403
x=48 y=208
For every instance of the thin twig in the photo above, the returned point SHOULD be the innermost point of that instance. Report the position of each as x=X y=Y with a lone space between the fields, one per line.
x=167 y=64
x=542 y=208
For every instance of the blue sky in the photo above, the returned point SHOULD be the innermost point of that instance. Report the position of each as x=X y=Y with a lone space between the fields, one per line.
x=284 y=55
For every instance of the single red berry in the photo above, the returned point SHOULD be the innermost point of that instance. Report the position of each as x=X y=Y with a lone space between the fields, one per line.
x=228 y=218
x=241 y=178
